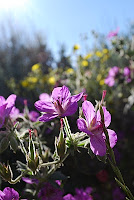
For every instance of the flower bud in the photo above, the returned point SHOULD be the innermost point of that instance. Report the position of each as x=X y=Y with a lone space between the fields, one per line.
x=33 y=164
x=102 y=114
x=6 y=172
x=45 y=155
x=31 y=147
x=61 y=147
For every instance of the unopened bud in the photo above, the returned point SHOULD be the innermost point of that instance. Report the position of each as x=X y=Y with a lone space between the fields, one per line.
x=30 y=133
x=103 y=96
x=61 y=146
x=102 y=114
x=33 y=164
x=45 y=155
x=6 y=172
x=25 y=102
x=61 y=122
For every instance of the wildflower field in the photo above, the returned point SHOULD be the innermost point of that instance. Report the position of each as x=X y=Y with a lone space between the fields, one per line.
x=67 y=125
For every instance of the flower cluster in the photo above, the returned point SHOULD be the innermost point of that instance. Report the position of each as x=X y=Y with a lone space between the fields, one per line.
x=39 y=170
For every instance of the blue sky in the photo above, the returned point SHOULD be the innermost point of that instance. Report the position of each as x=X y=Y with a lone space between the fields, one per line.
x=63 y=21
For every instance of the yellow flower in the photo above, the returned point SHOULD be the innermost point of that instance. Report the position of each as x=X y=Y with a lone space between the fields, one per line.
x=99 y=76
x=84 y=63
x=52 y=80
x=76 y=47
x=102 y=82
x=98 y=54
x=32 y=79
x=104 y=58
x=105 y=51
x=88 y=56
x=70 y=71
x=35 y=67
x=24 y=83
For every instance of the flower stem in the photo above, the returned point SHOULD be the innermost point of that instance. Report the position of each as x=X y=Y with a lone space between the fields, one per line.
x=112 y=161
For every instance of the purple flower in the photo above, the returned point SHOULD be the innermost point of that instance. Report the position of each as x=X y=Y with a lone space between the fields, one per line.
x=82 y=194
x=68 y=197
x=126 y=71
x=14 y=113
x=114 y=71
x=29 y=180
x=9 y=194
x=110 y=79
x=117 y=194
x=49 y=192
x=94 y=128
x=45 y=97
x=33 y=116
x=113 y=33
x=61 y=105
x=127 y=74
x=6 y=107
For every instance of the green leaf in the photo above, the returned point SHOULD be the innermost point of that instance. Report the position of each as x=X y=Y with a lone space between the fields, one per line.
x=4 y=144
x=14 y=144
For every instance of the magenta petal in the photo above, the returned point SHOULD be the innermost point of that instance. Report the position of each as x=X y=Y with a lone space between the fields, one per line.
x=88 y=110
x=82 y=126
x=76 y=97
x=2 y=100
x=45 y=97
x=44 y=106
x=70 y=110
x=56 y=93
x=107 y=117
x=47 y=117
x=68 y=197
x=97 y=145
x=112 y=138
x=110 y=81
x=11 y=100
x=2 y=114
x=65 y=92
x=2 y=195
x=61 y=92
x=29 y=180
